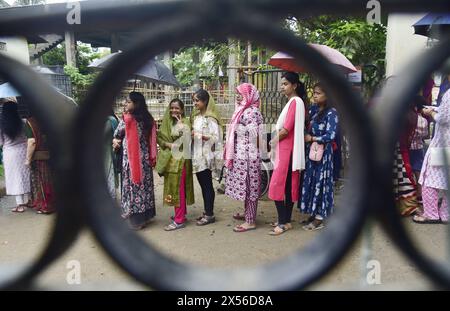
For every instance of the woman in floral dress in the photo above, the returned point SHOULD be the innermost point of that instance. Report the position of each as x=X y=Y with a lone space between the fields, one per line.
x=317 y=187
x=433 y=176
x=136 y=133
x=242 y=157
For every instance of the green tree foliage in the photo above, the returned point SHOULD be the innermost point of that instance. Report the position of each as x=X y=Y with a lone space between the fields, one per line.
x=80 y=82
x=363 y=44
x=210 y=57
x=81 y=76
x=56 y=56
x=186 y=69
x=85 y=55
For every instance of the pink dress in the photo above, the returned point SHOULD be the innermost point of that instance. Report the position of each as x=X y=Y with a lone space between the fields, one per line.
x=434 y=176
x=282 y=160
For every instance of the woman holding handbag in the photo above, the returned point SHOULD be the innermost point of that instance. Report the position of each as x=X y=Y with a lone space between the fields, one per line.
x=290 y=153
x=317 y=188
x=433 y=177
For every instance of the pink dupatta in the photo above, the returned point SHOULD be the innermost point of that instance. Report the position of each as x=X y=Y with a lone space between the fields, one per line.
x=250 y=99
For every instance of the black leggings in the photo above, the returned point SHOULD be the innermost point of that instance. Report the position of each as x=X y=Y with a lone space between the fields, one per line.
x=205 y=180
x=284 y=208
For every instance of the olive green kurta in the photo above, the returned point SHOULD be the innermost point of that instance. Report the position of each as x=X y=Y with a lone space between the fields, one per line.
x=174 y=167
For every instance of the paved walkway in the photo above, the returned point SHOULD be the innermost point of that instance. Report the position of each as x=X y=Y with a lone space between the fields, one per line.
x=216 y=245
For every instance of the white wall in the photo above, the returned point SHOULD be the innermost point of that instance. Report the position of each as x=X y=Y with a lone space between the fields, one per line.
x=402 y=44
x=16 y=48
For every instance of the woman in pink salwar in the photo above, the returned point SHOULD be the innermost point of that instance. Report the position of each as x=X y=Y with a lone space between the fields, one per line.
x=289 y=147
x=242 y=157
x=433 y=176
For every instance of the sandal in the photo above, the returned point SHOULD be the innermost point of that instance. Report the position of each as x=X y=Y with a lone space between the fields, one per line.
x=19 y=209
x=280 y=229
x=174 y=226
x=420 y=219
x=314 y=225
x=238 y=216
x=137 y=228
x=200 y=217
x=288 y=225
x=241 y=228
x=308 y=220
x=206 y=220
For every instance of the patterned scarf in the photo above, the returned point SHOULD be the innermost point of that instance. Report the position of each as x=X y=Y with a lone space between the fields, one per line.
x=250 y=99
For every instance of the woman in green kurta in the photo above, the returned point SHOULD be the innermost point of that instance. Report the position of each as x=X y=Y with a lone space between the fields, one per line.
x=174 y=137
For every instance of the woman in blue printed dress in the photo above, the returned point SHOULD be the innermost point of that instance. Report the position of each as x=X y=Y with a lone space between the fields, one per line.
x=317 y=187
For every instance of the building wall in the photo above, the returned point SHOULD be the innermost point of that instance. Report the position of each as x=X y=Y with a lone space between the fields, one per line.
x=16 y=48
x=402 y=44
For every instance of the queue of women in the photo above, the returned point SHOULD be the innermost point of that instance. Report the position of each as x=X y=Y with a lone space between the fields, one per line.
x=301 y=150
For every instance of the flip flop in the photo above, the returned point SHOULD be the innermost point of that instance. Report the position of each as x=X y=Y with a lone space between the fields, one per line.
x=242 y=229
x=174 y=226
x=425 y=220
x=43 y=212
x=19 y=209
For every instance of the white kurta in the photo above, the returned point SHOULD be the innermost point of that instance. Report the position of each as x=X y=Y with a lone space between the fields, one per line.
x=17 y=174
x=204 y=154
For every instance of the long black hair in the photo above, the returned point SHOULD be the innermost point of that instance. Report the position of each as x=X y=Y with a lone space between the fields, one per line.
x=11 y=123
x=418 y=102
x=203 y=95
x=141 y=113
x=294 y=78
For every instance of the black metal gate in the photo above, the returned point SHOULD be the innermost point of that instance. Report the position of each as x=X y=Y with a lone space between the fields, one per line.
x=75 y=137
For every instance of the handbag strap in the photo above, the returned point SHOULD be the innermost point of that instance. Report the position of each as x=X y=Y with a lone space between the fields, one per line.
x=325 y=112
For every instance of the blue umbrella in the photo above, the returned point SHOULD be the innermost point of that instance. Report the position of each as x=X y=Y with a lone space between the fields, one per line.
x=433 y=25
x=7 y=90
